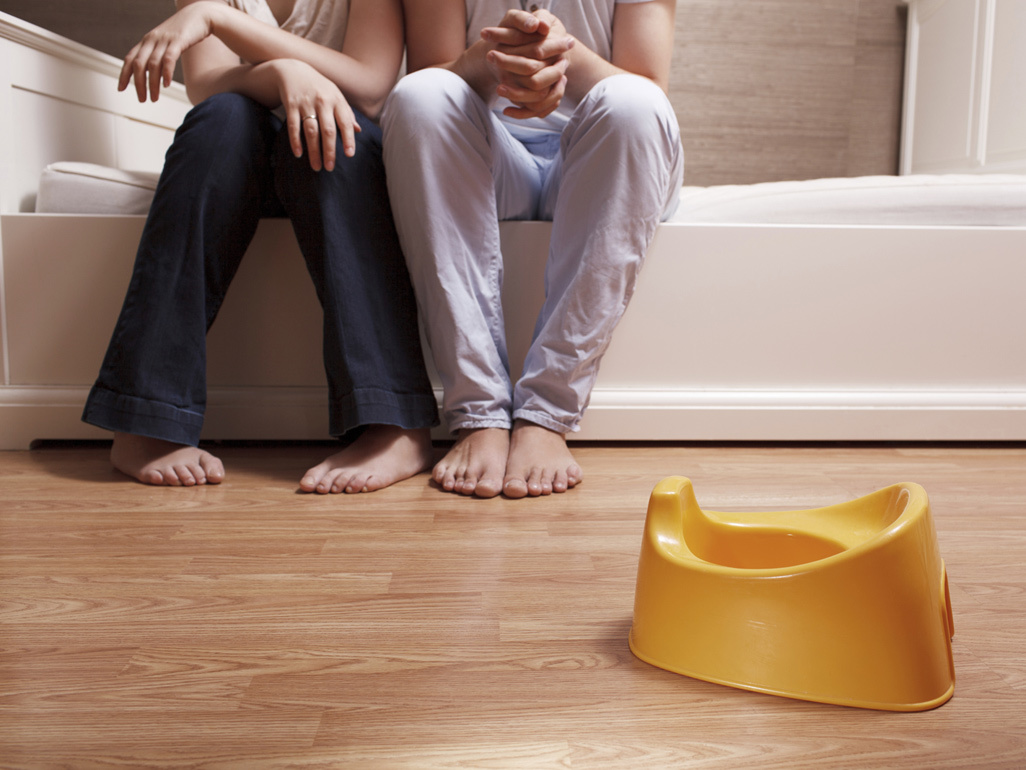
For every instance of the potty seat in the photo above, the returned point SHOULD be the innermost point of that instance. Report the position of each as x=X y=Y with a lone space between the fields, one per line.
x=846 y=604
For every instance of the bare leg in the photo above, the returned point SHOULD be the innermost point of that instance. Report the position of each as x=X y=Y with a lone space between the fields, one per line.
x=381 y=456
x=475 y=463
x=164 y=463
x=539 y=462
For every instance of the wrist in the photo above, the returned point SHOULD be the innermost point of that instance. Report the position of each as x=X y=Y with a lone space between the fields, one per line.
x=216 y=14
x=473 y=67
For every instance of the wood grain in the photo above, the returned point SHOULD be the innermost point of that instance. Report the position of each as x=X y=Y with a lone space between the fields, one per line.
x=250 y=626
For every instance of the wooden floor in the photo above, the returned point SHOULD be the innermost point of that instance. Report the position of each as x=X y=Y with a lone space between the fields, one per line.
x=249 y=626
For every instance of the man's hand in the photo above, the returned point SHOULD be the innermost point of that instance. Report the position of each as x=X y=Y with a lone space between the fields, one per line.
x=529 y=61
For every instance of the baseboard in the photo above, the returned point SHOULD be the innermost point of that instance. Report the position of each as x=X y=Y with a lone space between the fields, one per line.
x=30 y=414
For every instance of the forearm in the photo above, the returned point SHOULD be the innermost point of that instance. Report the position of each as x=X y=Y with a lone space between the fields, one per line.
x=365 y=83
x=472 y=66
x=586 y=69
x=257 y=81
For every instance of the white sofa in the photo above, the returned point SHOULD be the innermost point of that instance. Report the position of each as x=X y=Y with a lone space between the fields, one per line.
x=738 y=331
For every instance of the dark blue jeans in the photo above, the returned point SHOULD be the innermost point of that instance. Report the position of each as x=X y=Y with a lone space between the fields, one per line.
x=230 y=164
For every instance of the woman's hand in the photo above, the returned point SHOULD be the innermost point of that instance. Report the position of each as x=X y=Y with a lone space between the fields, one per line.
x=152 y=60
x=315 y=111
x=529 y=61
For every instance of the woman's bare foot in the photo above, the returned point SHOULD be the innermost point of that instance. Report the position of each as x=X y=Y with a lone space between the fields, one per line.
x=164 y=463
x=539 y=462
x=381 y=456
x=475 y=463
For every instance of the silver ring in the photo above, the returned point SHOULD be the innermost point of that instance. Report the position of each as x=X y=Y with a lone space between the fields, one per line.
x=307 y=117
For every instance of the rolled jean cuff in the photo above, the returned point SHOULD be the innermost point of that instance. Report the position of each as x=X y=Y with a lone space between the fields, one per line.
x=366 y=406
x=142 y=417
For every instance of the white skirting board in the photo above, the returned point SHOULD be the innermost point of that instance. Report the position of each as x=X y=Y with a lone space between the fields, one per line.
x=754 y=333
x=27 y=415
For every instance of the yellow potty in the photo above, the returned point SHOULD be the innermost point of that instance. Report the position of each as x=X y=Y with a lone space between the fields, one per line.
x=846 y=604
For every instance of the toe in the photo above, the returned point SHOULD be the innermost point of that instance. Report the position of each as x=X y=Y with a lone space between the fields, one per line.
x=182 y=475
x=355 y=484
x=213 y=469
x=326 y=484
x=372 y=484
x=515 y=487
x=311 y=479
x=488 y=488
x=445 y=478
x=574 y=476
x=536 y=483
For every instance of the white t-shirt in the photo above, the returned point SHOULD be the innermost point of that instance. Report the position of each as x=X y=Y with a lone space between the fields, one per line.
x=320 y=21
x=590 y=21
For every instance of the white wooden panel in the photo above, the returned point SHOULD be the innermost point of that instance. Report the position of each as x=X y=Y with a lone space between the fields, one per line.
x=49 y=64
x=60 y=101
x=1006 y=127
x=944 y=80
x=747 y=333
x=66 y=277
x=141 y=146
x=48 y=130
x=781 y=308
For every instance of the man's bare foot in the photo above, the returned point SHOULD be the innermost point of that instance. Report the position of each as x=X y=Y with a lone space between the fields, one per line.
x=381 y=456
x=539 y=462
x=475 y=463
x=164 y=463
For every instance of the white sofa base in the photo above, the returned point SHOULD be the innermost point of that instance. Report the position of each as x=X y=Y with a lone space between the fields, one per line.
x=754 y=333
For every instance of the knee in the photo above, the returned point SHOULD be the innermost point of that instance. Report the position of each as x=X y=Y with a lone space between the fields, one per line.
x=224 y=124
x=226 y=107
x=426 y=102
x=631 y=105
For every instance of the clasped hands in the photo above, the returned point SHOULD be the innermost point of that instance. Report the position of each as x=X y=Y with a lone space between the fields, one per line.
x=529 y=60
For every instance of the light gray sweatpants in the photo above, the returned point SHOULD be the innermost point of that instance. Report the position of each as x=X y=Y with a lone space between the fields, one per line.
x=455 y=169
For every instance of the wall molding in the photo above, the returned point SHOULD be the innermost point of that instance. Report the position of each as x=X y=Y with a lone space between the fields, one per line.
x=30 y=414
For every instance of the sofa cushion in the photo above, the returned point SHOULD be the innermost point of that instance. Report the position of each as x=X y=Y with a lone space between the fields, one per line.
x=920 y=199
x=926 y=200
x=87 y=188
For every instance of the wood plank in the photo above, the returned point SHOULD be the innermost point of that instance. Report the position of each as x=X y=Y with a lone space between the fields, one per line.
x=251 y=626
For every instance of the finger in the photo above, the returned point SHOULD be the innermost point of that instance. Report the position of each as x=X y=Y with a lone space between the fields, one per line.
x=328 y=139
x=516 y=65
x=127 y=66
x=139 y=70
x=348 y=125
x=294 y=123
x=547 y=49
x=539 y=108
x=512 y=86
x=508 y=36
x=312 y=135
x=155 y=70
x=169 y=67
x=550 y=48
x=522 y=20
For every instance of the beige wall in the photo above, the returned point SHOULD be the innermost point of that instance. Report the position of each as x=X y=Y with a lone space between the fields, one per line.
x=112 y=26
x=764 y=89
x=788 y=89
